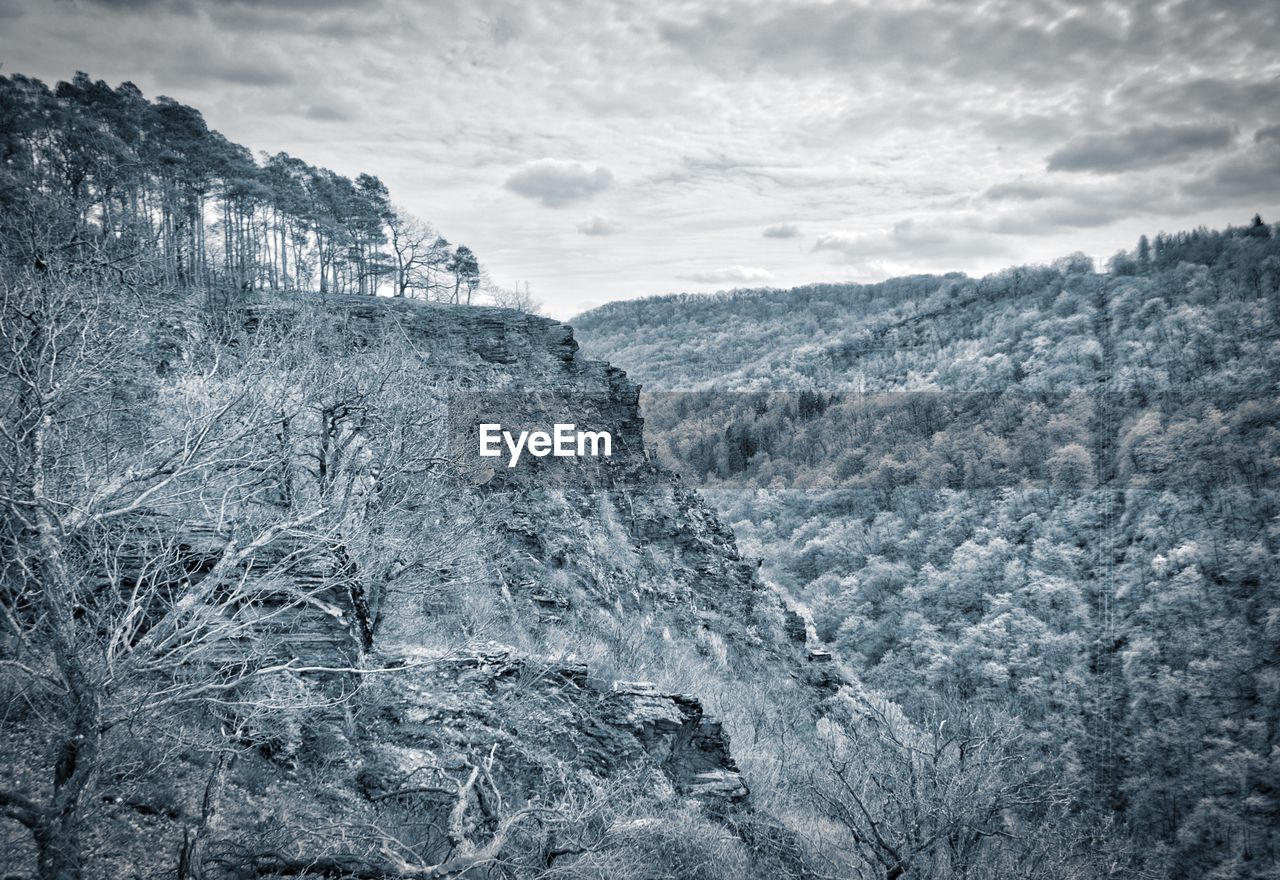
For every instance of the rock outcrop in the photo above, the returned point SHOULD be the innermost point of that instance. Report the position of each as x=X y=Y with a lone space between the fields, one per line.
x=459 y=711
x=549 y=674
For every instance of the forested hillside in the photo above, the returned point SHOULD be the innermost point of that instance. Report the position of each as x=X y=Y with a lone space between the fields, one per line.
x=151 y=178
x=1049 y=493
x=1189 y=310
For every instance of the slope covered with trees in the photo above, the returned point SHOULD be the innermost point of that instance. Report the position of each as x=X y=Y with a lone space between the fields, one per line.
x=118 y=176
x=1191 y=312
x=1050 y=493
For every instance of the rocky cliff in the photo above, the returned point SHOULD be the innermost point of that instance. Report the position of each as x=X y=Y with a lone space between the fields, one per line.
x=489 y=666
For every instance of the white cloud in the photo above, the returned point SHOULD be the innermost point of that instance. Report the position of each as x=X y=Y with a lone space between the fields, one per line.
x=557 y=182
x=597 y=224
x=730 y=275
x=910 y=240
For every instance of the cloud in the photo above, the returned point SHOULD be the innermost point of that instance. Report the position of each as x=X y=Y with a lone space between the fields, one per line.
x=1020 y=190
x=1057 y=204
x=1052 y=204
x=197 y=64
x=910 y=239
x=187 y=6
x=332 y=111
x=1222 y=96
x=556 y=182
x=1138 y=148
x=250 y=75
x=1248 y=175
x=730 y=274
x=133 y=4
x=1056 y=215
x=844 y=117
x=1025 y=45
x=598 y=225
x=782 y=230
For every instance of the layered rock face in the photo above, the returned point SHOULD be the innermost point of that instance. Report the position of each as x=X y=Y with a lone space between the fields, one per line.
x=623 y=541
x=609 y=731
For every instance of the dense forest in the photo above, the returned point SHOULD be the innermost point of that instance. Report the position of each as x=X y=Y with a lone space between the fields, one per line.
x=1049 y=493
x=1184 y=306
x=120 y=177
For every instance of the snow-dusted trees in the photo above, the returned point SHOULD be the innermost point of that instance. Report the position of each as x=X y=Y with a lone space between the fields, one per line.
x=1062 y=507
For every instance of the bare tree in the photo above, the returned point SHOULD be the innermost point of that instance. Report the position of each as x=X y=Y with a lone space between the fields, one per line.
x=576 y=829
x=150 y=561
x=412 y=249
x=941 y=799
x=517 y=297
x=421 y=258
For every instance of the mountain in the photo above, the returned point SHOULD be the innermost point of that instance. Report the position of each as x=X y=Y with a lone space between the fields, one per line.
x=313 y=642
x=1048 y=495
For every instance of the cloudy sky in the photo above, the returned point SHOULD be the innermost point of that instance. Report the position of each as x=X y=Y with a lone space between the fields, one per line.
x=602 y=150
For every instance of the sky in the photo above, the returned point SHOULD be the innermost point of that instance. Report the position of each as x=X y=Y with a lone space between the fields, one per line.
x=601 y=150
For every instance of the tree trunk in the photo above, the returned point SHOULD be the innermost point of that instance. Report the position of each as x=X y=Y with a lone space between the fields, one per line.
x=58 y=840
x=58 y=848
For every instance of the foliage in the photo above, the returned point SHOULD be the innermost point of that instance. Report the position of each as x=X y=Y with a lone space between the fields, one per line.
x=1048 y=493
x=96 y=174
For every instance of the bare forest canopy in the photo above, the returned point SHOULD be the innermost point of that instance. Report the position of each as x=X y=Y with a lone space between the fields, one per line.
x=1051 y=493
x=88 y=171
x=1175 y=298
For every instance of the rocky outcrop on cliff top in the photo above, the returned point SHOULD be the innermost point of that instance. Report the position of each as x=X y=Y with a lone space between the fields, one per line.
x=627 y=566
x=466 y=705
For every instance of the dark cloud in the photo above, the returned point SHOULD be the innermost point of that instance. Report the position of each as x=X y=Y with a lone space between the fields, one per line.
x=302 y=5
x=1038 y=207
x=168 y=5
x=330 y=112
x=782 y=230
x=1027 y=126
x=598 y=225
x=1051 y=217
x=350 y=22
x=222 y=6
x=1250 y=174
x=556 y=182
x=246 y=72
x=1020 y=190
x=1154 y=93
x=1054 y=205
x=1138 y=148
